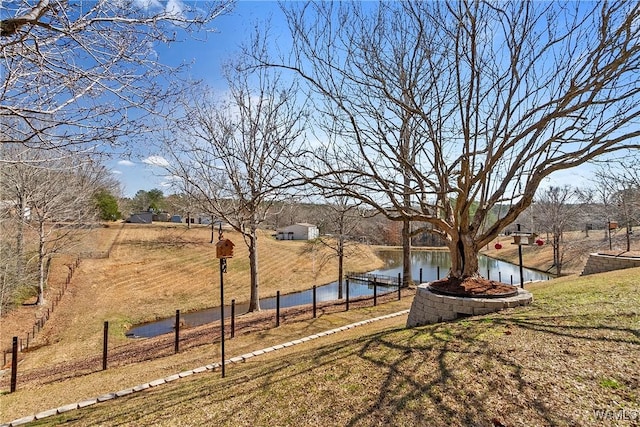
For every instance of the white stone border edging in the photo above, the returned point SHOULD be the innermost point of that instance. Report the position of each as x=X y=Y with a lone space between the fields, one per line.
x=211 y=367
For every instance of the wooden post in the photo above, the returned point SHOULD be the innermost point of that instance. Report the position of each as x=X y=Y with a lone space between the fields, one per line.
x=399 y=287
x=105 y=345
x=438 y=273
x=177 y=340
x=14 y=365
x=420 y=274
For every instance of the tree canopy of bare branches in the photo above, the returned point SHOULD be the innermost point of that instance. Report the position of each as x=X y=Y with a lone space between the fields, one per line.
x=618 y=185
x=234 y=154
x=48 y=201
x=438 y=111
x=555 y=209
x=84 y=73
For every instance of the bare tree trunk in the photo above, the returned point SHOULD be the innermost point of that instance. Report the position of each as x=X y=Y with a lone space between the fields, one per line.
x=254 y=301
x=557 y=256
x=41 y=263
x=340 y=265
x=20 y=240
x=464 y=257
x=406 y=252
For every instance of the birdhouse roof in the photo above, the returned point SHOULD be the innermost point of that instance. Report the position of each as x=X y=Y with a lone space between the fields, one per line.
x=225 y=242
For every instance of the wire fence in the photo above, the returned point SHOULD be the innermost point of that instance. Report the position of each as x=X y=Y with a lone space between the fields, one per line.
x=184 y=338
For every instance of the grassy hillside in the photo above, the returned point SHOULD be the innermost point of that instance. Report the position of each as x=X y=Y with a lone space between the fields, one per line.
x=576 y=248
x=154 y=270
x=571 y=353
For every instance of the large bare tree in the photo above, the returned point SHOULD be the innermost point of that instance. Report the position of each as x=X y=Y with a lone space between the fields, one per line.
x=618 y=183
x=556 y=209
x=341 y=223
x=50 y=195
x=439 y=111
x=84 y=73
x=234 y=154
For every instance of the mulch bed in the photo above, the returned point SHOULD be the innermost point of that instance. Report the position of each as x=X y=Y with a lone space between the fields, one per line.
x=472 y=287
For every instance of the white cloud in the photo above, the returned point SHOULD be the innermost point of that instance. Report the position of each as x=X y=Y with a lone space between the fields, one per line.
x=126 y=163
x=174 y=8
x=116 y=172
x=148 y=4
x=156 y=161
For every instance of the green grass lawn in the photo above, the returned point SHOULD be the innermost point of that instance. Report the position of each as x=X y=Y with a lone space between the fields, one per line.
x=567 y=359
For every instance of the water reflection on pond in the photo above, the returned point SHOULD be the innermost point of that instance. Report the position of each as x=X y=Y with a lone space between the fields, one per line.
x=431 y=262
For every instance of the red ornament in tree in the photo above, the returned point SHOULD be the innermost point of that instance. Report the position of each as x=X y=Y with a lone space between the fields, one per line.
x=498 y=245
x=539 y=242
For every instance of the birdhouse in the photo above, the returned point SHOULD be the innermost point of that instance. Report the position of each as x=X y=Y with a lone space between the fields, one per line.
x=224 y=248
x=524 y=239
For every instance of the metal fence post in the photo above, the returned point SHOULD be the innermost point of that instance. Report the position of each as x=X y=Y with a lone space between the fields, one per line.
x=315 y=313
x=105 y=345
x=177 y=340
x=347 y=283
x=277 y=309
x=375 y=292
x=14 y=364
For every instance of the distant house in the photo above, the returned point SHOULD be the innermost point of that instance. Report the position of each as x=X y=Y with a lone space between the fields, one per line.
x=299 y=231
x=161 y=216
x=141 y=218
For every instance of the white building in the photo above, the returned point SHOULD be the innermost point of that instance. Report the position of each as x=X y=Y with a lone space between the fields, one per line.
x=299 y=231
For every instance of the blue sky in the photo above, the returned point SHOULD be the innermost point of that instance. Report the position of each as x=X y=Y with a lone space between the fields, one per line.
x=146 y=173
x=207 y=56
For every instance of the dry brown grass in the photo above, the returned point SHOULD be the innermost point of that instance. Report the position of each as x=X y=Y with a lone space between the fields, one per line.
x=553 y=363
x=570 y=353
x=154 y=270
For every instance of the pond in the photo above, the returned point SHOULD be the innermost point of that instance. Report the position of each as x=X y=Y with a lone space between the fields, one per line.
x=431 y=263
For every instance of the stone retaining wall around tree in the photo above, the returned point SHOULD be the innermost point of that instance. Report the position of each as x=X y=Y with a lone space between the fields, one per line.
x=429 y=307
x=599 y=263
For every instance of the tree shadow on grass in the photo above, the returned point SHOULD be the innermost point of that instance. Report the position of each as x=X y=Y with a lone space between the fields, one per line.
x=456 y=373
x=415 y=377
x=572 y=326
